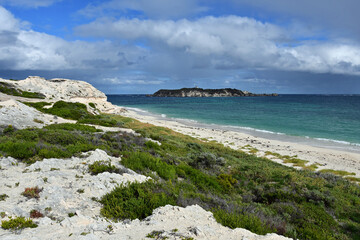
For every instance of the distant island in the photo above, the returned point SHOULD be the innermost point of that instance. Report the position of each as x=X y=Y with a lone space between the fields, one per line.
x=200 y=92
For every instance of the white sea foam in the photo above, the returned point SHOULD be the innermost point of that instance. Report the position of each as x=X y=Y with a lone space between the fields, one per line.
x=320 y=142
x=337 y=141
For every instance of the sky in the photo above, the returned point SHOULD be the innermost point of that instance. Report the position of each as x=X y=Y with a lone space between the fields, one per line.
x=140 y=46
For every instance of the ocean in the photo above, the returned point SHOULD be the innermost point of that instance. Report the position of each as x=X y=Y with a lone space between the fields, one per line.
x=321 y=120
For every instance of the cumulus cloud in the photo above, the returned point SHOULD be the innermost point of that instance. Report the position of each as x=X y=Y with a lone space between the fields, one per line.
x=234 y=42
x=24 y=49
x=133 y=79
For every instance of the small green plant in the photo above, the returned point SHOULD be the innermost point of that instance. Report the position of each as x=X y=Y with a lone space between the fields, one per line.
x=18 y=223
x=17 y=184
x=92 y=105
x=2 y=214
x=80 y=190
x=102 y=166
x=54 y=169
x=10 y=89
x=337 y=172
x=71 y=214
x=48 y=209
x=9 y=129
x=38 y=121
x=109 y=228
x=45 y=179
x=33 y=192
x=3 y=197
x=84 y=233
x=155 y=234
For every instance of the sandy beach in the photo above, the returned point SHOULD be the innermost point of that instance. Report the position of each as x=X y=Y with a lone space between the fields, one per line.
x=324 y=158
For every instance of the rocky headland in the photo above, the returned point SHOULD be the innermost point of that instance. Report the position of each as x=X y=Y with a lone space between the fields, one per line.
x=200 y=92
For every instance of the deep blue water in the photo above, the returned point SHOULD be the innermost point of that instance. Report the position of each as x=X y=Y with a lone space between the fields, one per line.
x=334 y=117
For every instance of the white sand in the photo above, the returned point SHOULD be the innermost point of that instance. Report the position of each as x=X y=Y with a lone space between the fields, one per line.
x=323 y=157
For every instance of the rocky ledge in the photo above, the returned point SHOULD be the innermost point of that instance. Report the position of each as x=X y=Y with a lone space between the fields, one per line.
x=200 y=92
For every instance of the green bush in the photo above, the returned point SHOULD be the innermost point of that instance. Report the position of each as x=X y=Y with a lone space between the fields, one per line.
x=10 y=89
x=68 y=110
x=62 y=137
x=19 y=149
x=73 y=127
x=3 y=197
x=102 y=166
x=140 y=161
x=8 y=129
x=18 y=223
x=135 y=201
x=240 y=220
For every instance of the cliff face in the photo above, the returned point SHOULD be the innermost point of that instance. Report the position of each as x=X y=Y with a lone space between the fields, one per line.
x=199 y=92
x=63 y=89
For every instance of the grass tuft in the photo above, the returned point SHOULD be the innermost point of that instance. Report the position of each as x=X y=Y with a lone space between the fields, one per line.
x=18 y=223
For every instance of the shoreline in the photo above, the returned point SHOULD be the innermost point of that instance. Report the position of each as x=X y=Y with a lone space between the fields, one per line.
x=332 y=144
x=260 y=144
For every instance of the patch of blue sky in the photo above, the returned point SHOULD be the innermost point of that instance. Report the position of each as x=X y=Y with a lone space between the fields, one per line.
x=57 y=19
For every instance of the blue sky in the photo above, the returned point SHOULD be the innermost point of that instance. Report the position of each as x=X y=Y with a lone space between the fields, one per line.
x=140 y=46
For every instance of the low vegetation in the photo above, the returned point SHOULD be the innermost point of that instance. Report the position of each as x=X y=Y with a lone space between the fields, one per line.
x=33 y=192
x=36 y=214
x=241 y=190
x=17 y=223
x=3 y=197
x=104 y=166
x=9 y=89
x=75 y=111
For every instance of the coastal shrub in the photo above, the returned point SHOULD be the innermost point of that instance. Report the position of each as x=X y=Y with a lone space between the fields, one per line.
x=239 y=220
x=92 y=105
x=140 y=161
x=73 y=127
x=62 y=137
x=100 y=120
x=102 y=166
x=207 y=160
x=137 y=200
x=8 y=129
x=18 y=148
x=29 y=135
x=76 y=111
x=18 y=223
x=68 y=110
x=9 y=89
x=38 y=105
x=226 y=181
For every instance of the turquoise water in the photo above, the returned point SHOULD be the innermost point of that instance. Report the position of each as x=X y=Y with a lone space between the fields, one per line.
x=325 y=117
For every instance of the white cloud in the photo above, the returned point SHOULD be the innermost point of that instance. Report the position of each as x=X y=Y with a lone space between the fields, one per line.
x=29 y=3
x=23 y=49
x=132 y=80
x=234 y=42
x=8 y=21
